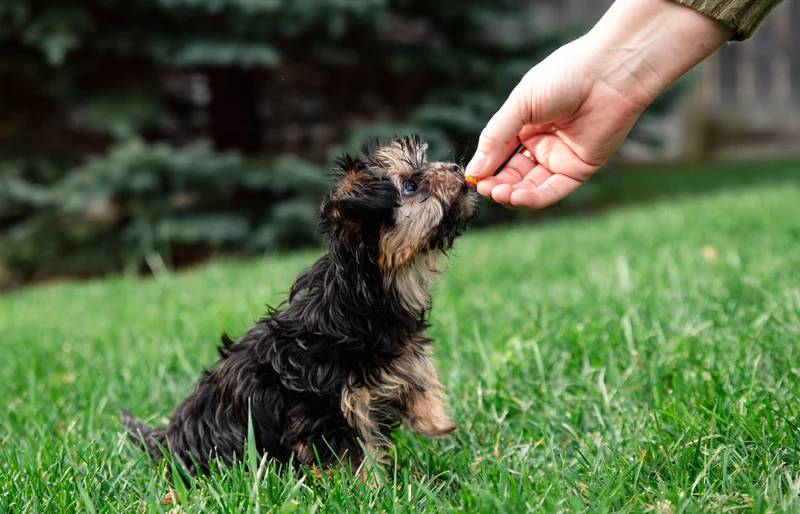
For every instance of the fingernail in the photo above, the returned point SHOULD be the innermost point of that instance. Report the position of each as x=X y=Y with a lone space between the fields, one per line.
x=477 y=164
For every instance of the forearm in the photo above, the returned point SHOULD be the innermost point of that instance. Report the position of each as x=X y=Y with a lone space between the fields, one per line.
x=640 y=47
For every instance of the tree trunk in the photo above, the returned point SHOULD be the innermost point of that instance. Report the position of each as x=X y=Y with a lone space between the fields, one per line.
x=235 y=124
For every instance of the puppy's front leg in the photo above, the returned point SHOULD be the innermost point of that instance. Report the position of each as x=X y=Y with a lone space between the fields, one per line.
x=426 y=413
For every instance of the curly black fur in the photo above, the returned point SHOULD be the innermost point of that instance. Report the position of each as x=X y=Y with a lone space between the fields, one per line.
x=343 y=327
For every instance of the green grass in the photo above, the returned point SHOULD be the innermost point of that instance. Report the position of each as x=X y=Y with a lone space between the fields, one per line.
x=646 y=360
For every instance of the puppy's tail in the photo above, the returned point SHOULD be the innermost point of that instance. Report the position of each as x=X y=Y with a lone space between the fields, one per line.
x=150 y=439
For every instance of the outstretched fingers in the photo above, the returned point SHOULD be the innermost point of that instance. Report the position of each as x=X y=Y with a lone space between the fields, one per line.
x=551 y=191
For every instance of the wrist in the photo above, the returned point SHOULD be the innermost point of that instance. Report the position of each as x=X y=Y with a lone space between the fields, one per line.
x=640 y=47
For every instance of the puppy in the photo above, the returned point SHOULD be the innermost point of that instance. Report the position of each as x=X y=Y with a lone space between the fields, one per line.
x=328 y=374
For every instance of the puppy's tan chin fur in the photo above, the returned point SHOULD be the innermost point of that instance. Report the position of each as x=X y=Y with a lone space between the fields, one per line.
x=413 y=281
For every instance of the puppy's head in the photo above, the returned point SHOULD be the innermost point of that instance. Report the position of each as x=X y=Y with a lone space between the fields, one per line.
x=393 y=201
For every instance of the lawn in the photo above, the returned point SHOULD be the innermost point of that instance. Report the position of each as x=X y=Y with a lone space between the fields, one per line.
x=643 y=360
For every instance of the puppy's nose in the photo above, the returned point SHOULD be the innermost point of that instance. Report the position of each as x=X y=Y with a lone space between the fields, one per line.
x=454 y=168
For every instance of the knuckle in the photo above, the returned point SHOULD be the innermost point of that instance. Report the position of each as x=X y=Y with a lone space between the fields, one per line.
x=548 y=195
x=488 y=138
x=552 y=191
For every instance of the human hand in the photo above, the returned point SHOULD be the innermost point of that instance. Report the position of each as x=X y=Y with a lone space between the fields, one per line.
x=569 y=122
x=573 y=110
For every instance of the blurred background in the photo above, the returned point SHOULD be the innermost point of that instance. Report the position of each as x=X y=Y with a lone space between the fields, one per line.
x=139 y=136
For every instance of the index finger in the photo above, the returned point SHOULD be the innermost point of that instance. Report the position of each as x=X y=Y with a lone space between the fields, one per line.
x=497 y=140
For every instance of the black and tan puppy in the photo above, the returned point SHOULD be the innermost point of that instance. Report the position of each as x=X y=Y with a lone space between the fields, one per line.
x=345 y=358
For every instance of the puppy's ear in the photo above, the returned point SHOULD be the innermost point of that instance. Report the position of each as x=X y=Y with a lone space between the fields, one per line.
x=361 y=201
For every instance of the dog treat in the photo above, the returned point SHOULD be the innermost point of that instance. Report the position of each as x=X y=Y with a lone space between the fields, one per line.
x=473 y=181
x=345 y=359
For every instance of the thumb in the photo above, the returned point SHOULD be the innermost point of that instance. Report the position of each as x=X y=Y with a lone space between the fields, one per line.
x=498 y=138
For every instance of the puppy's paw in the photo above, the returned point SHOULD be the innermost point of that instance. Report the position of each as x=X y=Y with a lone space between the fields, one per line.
x=432 y=426
x=427 y=416
x=441 y=431
x=449 y=429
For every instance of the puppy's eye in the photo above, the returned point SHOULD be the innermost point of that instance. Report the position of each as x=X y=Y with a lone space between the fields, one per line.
x=409 y=187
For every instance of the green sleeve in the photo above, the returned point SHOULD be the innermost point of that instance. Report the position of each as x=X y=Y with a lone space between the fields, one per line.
x=742 y=16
